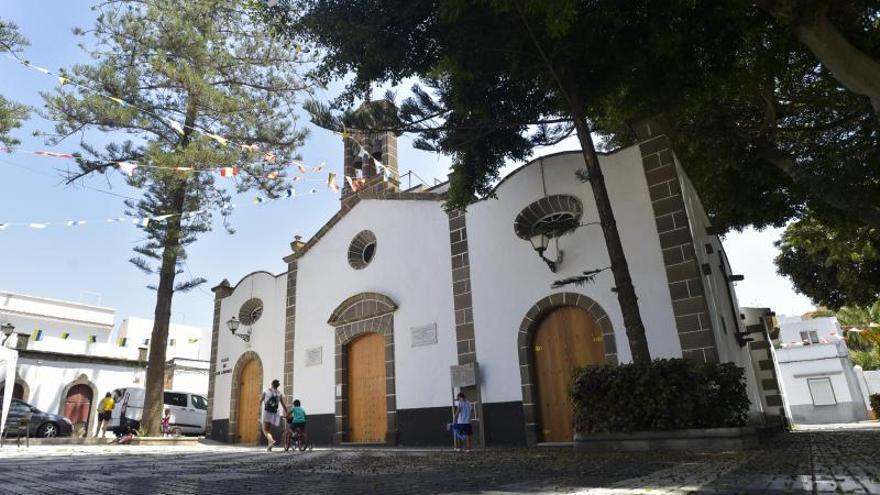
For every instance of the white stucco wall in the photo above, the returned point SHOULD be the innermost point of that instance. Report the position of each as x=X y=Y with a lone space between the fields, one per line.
x=47 y=379
x=825 y=327
x=267 y=334
x=797 y=364
x=189 y=380
x=189 y=341
x=507 y=277
x=412 y=267
x=872 y=378
x=720 y=294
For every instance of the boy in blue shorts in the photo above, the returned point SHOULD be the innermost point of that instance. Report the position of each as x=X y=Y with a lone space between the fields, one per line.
x=298 y=421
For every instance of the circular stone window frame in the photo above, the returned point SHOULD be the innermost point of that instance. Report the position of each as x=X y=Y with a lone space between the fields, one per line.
x=250 y=311
x=357 y=249
x=529 y=221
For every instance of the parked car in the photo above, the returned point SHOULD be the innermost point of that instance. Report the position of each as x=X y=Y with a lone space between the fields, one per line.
x=188 y=411
x=43 y=424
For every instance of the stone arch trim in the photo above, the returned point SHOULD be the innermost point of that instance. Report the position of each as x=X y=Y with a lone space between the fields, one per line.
x=361 y=306
x=25 y=388
x=375 y=316
x=524 y=339
x=82 y=379
x=245 y=358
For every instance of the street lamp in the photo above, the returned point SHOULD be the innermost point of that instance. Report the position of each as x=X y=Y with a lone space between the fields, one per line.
x=233 y=325
x=7 y=329
x=540 y=241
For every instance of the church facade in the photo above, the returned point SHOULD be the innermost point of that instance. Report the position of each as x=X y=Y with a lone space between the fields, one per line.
x=395 y=304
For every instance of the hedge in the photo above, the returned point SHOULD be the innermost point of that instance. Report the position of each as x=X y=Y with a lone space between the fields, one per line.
x=666 y=394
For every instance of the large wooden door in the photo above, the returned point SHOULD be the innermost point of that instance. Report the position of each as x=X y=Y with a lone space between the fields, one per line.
x=367 y=413
x=249 y=389
x=567 y=338
x=78 y=404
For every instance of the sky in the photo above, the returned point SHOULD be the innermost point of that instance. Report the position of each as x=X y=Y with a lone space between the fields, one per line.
x=89 y=263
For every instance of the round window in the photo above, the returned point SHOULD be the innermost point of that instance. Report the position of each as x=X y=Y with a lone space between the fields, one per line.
x=552 y=216
x=362 y=250
x=250 y=311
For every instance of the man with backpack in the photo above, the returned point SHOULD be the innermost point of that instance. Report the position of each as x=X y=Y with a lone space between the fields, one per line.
x=269 y=417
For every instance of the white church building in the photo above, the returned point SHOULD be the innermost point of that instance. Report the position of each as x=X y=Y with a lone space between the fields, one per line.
x=395 y=303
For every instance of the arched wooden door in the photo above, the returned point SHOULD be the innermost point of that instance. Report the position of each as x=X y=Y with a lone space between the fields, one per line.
x=18 y=392
x=249 y=402
x=568 y=337
x=78 y=404
x=367 y=412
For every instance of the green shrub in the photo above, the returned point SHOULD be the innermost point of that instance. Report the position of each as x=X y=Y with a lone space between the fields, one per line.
x=666 y=394
x=875 y=404
x=868 y=360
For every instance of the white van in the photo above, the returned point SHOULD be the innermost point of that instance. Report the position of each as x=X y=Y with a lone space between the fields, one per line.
x=188 y=411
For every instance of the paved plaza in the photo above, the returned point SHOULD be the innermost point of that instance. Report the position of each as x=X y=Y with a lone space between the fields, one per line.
x=810 y=461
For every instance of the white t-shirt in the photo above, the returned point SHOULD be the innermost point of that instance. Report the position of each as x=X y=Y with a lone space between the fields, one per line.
x=464 y=411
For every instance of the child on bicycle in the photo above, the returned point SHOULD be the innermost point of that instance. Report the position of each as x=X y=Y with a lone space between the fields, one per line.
x=297 y=422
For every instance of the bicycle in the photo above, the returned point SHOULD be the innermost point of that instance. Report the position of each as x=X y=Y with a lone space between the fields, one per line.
x=293 y=437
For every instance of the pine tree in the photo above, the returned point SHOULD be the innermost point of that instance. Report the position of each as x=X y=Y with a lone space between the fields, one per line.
x=195 y=84
x=11 y=113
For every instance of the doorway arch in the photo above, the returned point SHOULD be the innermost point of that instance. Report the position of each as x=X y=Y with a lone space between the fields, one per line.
x=86 y=390
x=364 y=328
x=20 y=390
x=578 y=331
x=244 y=407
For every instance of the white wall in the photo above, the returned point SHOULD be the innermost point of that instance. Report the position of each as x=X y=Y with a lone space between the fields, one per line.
x=799 y=363
x=411 y=266
x=47 y=379
x=507 y=277
x=826 y=327
x=190 y=380
x=189 y=342
x=873 y=379
x=267 y=335
x=720 y=294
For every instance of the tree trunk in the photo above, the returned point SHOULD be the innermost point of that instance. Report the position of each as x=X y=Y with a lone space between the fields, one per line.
x=626 y=294
x=155 y=386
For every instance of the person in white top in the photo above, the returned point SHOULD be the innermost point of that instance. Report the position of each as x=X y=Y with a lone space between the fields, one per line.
x=270 y=399
x=462 y=411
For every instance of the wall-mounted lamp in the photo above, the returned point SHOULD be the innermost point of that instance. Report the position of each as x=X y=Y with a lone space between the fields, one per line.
x=234 y=325
x=541 y=242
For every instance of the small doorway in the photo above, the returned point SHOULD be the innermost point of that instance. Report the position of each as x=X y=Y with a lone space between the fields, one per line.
x=78 y=406
x=249 y=402
x=367 y=411
x=17 y=391
x=567 y=338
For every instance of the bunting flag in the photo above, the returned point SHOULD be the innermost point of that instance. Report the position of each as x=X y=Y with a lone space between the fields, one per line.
x=38 y=225
x=355 y=184
x=272 y=175
x=269 y=157
x=192 y=340
x=365 y=154
x=55 y=155
x=143 y=222
x=331 y=182
x=63 y=80
x=290 y=193
x=92 y=339
x=229 y=171
x=171 y=342
x=296 y=178
x=313 y=191
x=65 y=335
x=127 y=168
x=121 y=341
x=74 y=223
x=319 y=167
x=37 y=335
x=301 y=167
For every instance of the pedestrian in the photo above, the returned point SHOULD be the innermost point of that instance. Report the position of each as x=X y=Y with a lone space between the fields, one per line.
x=105 y=410
x=166 y=423
x=461 y=428
x=297 y=424
x=270 y=399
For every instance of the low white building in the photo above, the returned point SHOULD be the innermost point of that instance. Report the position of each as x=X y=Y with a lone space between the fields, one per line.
x=797 y=329
x=68 y=357
x=820 y=384
x=395 y=301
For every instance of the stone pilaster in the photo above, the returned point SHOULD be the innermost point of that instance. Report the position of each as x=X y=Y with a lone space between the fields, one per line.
x=683 y=272
x=220 y=292
x=290 y=320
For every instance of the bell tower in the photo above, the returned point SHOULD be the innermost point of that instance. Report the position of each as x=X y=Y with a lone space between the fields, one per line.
x=370 y=157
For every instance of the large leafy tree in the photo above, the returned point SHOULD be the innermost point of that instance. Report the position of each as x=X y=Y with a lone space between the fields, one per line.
x=836 y=265
x=11 y=113
x=184 y=78
x=504 y=77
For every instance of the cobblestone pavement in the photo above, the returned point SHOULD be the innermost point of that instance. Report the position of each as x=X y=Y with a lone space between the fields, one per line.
x=815 y=461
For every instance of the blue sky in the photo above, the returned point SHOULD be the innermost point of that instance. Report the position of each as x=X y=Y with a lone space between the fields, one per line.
x=77 y=263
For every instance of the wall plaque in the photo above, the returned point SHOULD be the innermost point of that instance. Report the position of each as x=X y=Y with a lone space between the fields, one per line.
x=314 y=356
x=464 y=375
x=424 y=335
